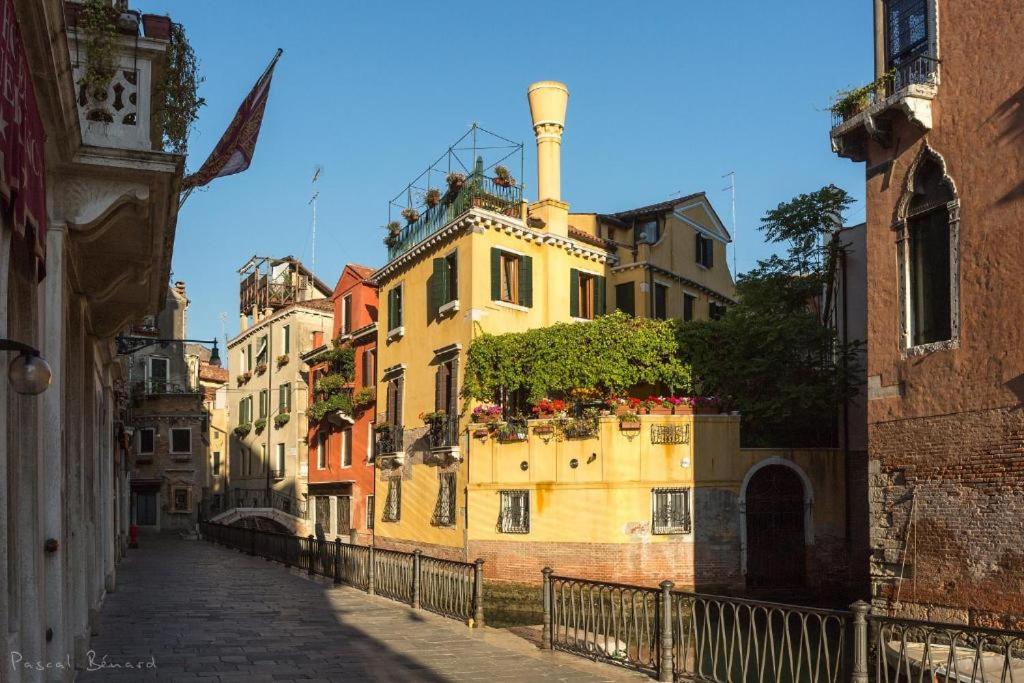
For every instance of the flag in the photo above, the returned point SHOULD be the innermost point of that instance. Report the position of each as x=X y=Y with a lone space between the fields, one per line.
x=233 y=153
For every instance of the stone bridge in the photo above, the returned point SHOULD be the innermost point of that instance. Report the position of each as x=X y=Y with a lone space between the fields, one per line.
x=279 y=521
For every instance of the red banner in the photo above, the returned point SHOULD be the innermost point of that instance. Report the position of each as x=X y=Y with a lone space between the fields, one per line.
x=22 y=170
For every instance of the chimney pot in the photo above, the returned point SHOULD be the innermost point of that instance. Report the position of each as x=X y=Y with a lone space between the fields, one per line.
x=548 y=102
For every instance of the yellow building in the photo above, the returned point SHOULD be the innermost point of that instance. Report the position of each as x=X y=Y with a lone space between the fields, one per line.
x=484 y=261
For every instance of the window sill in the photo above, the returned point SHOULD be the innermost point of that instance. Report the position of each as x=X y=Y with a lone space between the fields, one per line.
x=449 y=308
x=396 y=333
x=578 y=319
x=925 y=349
x=509 y=304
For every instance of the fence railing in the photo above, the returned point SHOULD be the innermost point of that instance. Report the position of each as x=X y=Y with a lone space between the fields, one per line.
x=677 y=635
x=450 y=588
x=444 y=433
x=389 y=439
x=261 y=498
x=919 y=70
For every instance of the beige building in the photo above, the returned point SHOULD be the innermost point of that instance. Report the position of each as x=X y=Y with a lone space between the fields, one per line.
x=211 y=381
x=75 y=270
x=285 y=312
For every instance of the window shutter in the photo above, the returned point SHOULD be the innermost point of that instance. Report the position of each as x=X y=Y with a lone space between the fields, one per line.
x=437 y=288
x=391 y=309
x=438 y=384
x=699 y=248
x=526 y=281
x=574 y=293
x=453 y=398
x=599 y=296
x=710 y=246
x=399 y=388
x=495 y=274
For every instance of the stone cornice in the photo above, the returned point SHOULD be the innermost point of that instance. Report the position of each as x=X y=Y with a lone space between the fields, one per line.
x=481 y=219
x=675 y=276
x=292 y=309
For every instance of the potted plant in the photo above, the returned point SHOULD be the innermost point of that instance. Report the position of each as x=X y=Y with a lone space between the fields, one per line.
x=486 y=413
x=260 y=368
x=432 y=197
x=281 y=420
x=657 y=405
x=705 y=405
x=455 y=181
x=410 y=215
x=260 y=424
x=503 y=178
x=394 y=229
x=282 y=360
x=548 y=408
x=515 y=429
x=364 y=398
x=242 y=430
x=156 y=26
x=244 y=377
x=629 y=421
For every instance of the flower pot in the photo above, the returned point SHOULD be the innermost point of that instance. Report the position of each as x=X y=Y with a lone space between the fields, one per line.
x=630 y=426
x=706 y=410
x=156 y=27
x=659 y=410
x=481 y=433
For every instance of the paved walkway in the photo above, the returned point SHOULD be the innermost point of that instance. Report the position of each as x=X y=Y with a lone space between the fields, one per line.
x=201 y=611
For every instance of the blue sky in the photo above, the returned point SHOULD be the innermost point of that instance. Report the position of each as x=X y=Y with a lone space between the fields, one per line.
x=666 y=97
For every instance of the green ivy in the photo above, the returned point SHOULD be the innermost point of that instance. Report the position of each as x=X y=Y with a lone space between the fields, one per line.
x=341 y=401
x=341 y=359
x=331 y=383
x=611 y=354
x=180 y=102
x=99 y=24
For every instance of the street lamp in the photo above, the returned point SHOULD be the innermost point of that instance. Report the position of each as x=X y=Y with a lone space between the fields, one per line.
x=28 y=372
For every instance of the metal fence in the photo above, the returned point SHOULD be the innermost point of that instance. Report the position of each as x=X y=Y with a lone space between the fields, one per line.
x=450 y=588
x=677 y=635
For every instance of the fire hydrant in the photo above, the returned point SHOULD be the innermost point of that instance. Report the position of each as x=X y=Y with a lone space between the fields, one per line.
x=133 y=536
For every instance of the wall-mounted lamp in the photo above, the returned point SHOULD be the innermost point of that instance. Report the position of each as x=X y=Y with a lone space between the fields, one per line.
x=28 y=372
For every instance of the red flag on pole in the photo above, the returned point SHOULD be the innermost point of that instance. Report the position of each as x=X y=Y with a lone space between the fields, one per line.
x=233 y=153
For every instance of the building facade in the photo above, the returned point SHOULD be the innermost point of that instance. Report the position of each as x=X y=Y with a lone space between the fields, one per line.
x=341 y=443
x=79 y=187
x=945 y=198
x=168 y=421
x=285 y=311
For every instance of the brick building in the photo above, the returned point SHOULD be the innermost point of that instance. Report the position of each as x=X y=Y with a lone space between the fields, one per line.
x=340 y=446
x=940 y=132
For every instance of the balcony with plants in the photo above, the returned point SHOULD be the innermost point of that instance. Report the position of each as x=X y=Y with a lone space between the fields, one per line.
x=469 y=181
x=865 y=113
x=332 y=390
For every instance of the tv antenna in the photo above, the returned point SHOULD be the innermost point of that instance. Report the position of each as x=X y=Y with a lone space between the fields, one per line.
x=731 y=175
x=312 y=200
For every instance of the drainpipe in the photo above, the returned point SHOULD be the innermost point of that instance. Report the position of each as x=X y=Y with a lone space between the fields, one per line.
x=270 y=384
x=879 y=38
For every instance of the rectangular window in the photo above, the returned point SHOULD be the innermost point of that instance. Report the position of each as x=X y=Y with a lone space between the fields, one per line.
x=286 y=340
x=261 y=350
x=514 y=515
x=660 y=301
x=625 y=297
x=510 y=278
x=346 y=314
x=705 y=251
x=688 y=302
x=393 y=407
x=258 y=467
x=147 y=440
x=929 y=277
x=444 y=509
x=369 y=357
x=715 y=310
x=452 y=281
x=248 y=357
x=216 y=463
x=369 y=511
x=321 y=450
x=393 y=503
x=284 y=398
x=159 y=372
x=243 y=461
x=180 y=499
x=344 y=511
x=445 y=394
x=647 y=232
x=670 y=510
x=279 y=462
x=181 y=440
x=586 y=294
x=323 y=514
x=906 y=31
x=395 y=308
x=264 y=400
x=346 y=448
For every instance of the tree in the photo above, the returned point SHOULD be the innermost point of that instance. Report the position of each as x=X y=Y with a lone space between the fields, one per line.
x=774 y=356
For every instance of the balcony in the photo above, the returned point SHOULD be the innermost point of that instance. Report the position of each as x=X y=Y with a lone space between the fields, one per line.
x=152 y=388
x=389 y=442
x=443 y=436
x=866 y=113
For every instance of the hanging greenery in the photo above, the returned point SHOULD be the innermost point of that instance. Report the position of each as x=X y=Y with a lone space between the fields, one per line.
x=98 y=21
x=611 y=354
x=335 y=402
x=178 y=96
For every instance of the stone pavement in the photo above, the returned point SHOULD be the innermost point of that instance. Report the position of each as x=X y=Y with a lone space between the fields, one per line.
x=203 y=612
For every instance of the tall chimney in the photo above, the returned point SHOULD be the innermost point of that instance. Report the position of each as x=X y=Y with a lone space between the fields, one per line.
x=548 y=101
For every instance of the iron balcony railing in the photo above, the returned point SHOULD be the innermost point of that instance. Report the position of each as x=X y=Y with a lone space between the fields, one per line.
x=389 y=439
x=444 y=434
x=478 y=191
x=156 y=387
x=919 y=70
x=450 y=588
x=261 y=498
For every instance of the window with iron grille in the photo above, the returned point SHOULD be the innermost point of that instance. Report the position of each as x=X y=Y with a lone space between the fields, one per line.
x=323 y=513
x=393 y=503
x=514 y=515
x=344 y=515
x=444 y=510
x=369 y=511
x=906 y=28
x=670 y=511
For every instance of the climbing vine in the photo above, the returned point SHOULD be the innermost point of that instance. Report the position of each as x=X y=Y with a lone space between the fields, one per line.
x=98 y=22
x=180 y=102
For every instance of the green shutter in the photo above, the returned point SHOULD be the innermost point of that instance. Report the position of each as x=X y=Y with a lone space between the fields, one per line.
x=437 y=288
x=599 y=296
x=574 y=292
x=495 y=274
x=391 y=310
x=526 y=281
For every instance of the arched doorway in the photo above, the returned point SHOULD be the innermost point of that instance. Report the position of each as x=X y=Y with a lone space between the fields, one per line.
x=775 y=547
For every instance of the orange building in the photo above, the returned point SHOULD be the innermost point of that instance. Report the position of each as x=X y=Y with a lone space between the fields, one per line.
x=340 y=443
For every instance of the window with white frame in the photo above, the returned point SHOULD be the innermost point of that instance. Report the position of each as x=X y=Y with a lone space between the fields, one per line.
x=286 y=340
x=514 y=513
x=346 y=314
x=279 y=461
x=321 y=450
x=670 y=511
x=159 y=372
x=181 y=440
x=147 y=441
x=393 y=503
x=705 y=248
x=263 y=459
x=284 y=398
x=180 y=499
x=346 y=448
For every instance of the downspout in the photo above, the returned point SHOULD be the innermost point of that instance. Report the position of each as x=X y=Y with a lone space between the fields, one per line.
x=270 y=383
x=879 y=38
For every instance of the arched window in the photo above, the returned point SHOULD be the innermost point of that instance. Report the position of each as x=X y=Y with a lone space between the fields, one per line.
x=930 y=226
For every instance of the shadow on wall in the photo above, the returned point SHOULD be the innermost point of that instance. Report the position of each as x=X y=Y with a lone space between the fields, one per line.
x=1010 y=114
